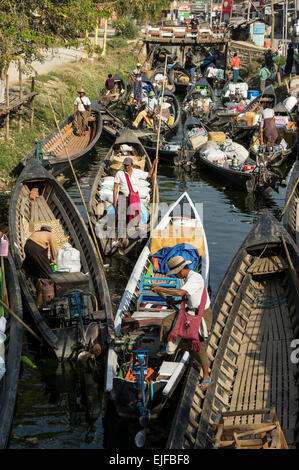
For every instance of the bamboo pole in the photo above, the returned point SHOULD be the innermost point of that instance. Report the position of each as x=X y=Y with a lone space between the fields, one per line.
x=19 y=320
x=157 y=148
x=7 y=105
x=78 y=186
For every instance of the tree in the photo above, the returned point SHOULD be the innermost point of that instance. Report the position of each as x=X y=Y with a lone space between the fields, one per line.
x=29 y=26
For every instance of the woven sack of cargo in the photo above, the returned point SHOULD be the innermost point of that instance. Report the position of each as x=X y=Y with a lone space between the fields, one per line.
x=117 y=163
x=217 y=136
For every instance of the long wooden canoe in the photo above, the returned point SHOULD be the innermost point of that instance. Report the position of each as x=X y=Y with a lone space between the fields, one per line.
x=12 y=351
x=54 y=156
x=147 y=315
x=291 y=215
x=252 y=366
x=104 y=227
x=64 y=332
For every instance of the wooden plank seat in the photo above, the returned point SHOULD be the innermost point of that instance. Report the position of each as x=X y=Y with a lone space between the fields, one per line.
x=267 y=265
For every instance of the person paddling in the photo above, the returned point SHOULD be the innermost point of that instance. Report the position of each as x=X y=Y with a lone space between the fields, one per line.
x=194 y=319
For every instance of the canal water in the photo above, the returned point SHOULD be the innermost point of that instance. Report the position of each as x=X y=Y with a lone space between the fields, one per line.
x=62 y=407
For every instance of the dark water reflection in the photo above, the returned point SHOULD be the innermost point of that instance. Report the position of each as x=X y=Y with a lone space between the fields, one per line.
x=59 y=407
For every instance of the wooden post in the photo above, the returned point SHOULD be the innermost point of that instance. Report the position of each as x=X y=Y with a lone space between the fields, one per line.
x=105 y=38
x=62 y=106
x=32 y=102
x=95 y=44
x=21 y=97
x=7 y=105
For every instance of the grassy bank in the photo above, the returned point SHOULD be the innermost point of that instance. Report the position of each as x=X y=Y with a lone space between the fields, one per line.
x=64 y=80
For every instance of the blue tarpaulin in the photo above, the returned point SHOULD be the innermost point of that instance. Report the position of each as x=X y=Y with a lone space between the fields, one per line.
x=187 y=251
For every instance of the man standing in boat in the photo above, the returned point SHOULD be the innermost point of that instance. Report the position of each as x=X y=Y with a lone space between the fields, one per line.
x=136 y=77
x=125 y=191
x=82 y=111
x=194 y=320
x=235 y=64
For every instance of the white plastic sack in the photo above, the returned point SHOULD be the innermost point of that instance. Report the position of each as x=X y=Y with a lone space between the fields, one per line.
x=106 y=195
x=68 y=257
x=159 y=77
x=290 y=103
x=214 y=155
x=108 y=181
x=2 y=347
x=234 y=149
x=143 y=192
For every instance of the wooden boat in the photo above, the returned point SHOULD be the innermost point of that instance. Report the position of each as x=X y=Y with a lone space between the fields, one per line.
x=112 y=100
x=113 y=127
x=259 y=179
x=147 y=311
x=169 y=82
x=104 y=223
x=275 y=155
x=235 y=122
x=12 y=350
x=51 y=151
x=256 y=312
x=180 y=77
x=194 y=93
x=168 y=150
x=291 y=215
x=65 y=330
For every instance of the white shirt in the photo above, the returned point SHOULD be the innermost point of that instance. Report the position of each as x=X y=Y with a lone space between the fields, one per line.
x=151 y=103
x=79 y=104
x=194 y=285
x=135 y=178
x=137 y=74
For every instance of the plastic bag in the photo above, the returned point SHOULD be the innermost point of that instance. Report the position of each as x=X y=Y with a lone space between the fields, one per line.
x=68 y=257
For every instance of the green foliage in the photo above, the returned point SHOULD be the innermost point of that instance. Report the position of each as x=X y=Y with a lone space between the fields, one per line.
x=29 y=26
x=126 y=28
x=279 y=60
x=116 y=43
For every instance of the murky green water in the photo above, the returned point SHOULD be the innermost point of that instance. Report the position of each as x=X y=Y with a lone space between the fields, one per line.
x=60 y=407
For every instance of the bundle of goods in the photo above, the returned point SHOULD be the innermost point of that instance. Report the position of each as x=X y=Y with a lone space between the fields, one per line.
x=116 y=162
x=197 y=137
x=290 y=102
x=227 y=153
x=106 y=195
x=212 y=72
x=182 y=78
x=235 y=89
x=250 y=118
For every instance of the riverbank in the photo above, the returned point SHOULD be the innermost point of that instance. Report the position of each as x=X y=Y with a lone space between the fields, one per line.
x=61 y=83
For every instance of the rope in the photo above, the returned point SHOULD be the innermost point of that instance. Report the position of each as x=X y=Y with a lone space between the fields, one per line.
x=263 y=301
x=289 y=200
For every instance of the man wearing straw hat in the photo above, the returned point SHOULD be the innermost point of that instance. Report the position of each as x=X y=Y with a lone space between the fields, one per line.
x=81 y=112
x=189 y=328
x=151 y=109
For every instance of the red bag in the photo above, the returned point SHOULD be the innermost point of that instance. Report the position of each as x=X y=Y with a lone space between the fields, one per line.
x=187 y=325
x=134 y=201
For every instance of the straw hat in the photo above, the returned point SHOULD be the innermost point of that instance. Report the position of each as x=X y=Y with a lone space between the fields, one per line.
x=176 y=264
x=81 y=91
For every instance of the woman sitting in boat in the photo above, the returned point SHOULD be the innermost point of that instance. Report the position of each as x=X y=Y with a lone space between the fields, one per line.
x=37 y=263
x=190 y=332
x=268 y=131
x=151 y=109
x=125 y=192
